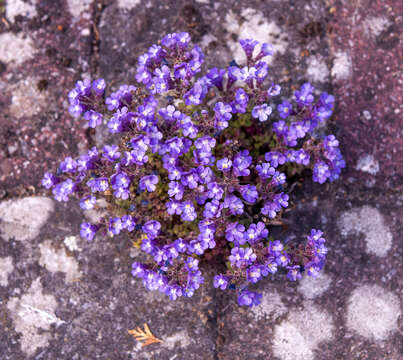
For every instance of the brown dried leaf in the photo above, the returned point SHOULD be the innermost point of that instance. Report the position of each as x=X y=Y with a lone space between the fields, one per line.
x=144 y=335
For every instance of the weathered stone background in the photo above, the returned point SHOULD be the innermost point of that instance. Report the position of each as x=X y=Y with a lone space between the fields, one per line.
x=64 y=298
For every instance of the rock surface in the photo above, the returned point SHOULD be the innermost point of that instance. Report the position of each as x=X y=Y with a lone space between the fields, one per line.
x=64 y=298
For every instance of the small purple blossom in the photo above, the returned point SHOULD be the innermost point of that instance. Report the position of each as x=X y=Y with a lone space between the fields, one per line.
x=88 y=202
x=221 y=281
x=261 y=112
x=249 y=298
x=88 y=231
x=148 y=182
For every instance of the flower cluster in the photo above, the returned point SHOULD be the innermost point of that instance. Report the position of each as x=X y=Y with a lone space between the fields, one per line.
x=182 y=183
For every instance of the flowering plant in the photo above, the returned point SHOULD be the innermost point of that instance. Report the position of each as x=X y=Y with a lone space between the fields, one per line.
x=200 y=171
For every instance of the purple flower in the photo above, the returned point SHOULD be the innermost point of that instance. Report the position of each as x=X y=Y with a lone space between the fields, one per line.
x=265 y=170
x=321 y=172
x=128 y=223
x=276 y=158
x=278 y=178
x=138 y=269
x=88 y=202
x=68 y=165
x=175 y=190
x=147 y=244
x=285 y=109
x=276 y=247
x=212 y=209
x=261 y=112
x=249 y=298
x=220 y=281
x=183 y=39
x=302 y=157
x=224 y=165
x=256 y=232
x=271 y=265
x=271 y=208
x=267 y=49
x=140 y=158
x=299 y=128
x=216 y=76
x=190 y=180
x=84 y=163
x=235 y=233
x=173 y=292
x=98 y=184
x=63 y=189
x=294 y=273
x=253 y=274
x=99 y=86
x=150 y=280
x=234 y=204
x=120 y=180
x=249 y=193
x=115 y=226
x=173 y=208
x=180 y=245
x=312 y=269
x=283 y=259
x=94 y=118
x=205 y=174
x=88 y=231
x=280 y=128
x=241 y=163
x=304 y=95
x=262 y=69
x=188 y=211
x=159 y=255
x=274 y=90
x=111 y=152
x=242 y=256
x=152 y=228
x=215 y=191
x=148 y=182
x=248 y=45
x=316 y=235
x=241 y=97
x=223 y=111
x=197 y=247
x=49 y=180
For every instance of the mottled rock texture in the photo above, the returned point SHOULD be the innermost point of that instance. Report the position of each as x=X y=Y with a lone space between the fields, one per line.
x=64 y=298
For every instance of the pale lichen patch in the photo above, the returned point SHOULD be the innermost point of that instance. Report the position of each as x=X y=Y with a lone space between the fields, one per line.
x=79 y=8
x=374 y=25
x=367 y=163
x=6 y=268
x=373 y=312
x=317 y=69
x=271 y=306
x=15 y=8
x=22 y=219
x=311 y=287
x=370 y=222
x=15 y=49
x=26 y=99
x=342 y=66
x=32 y=316
x=71 y=243
x=57 y=260
x=178 y=340
x=128 y=4
x=299 y=335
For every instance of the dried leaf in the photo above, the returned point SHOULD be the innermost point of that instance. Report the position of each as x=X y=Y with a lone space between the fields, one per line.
x=144 y=335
